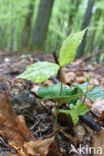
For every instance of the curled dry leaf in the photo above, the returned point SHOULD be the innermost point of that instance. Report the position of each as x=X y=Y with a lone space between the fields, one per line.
x=35 y=89
x=46 y=147
x=12 y=128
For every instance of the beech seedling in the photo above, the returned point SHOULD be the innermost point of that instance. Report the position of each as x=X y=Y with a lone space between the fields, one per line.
x=59 y=93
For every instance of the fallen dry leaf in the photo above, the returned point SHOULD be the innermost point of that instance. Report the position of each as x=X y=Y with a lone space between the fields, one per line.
x=46 y=147
x=81 y=79
x=79 y=74
x=69 y=77
x=35 y=89
x=94 y=82
x=48 y=83
x=98 y=143
x=98 y=107
x=88 y=103
x=101 y=118
x=12 y=128
x=80 y=132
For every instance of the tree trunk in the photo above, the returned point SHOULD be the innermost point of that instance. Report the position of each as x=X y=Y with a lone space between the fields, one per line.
x=11 y=44
x=86 y=21
x=72 y=13
x=92 y=43
x=100 y=47
x=27 y=28
x=41 y=26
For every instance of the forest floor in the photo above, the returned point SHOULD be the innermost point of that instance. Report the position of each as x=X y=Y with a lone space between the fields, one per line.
x=29 y=130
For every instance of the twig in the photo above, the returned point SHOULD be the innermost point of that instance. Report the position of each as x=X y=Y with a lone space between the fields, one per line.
x=95 y=53
x=61 y=77
x=57 y=62
x=54 y=79
x=55 y=57
x=90 y=122
x=32 y=127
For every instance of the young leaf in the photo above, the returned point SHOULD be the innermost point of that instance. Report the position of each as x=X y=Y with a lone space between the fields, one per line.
x=87 y=78
x=39 y=72
x=81 y=87
x=77 y=110
x=97 y=93
x=67 y=112
x=69 y=48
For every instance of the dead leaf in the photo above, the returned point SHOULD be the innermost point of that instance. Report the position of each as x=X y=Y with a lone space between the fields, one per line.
x=48 y=83
x=101 y=118
x=69 y=77
x=88 y=103
x=80 y=132
x=79 y=74
x=12 y=128
x=81 y=79
x=46 y=147
x=62 y=150
x=94 y=82
x=98 y=143
x=35 y=89
x=98 y=107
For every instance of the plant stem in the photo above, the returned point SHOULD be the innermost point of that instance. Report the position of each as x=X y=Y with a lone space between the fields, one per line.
x=61 y=78
x=85 y=94
x=84 y=99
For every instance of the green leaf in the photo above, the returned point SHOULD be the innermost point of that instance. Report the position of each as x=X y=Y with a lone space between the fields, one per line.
x=87 y=78
x=67 y=112
x=69 y=48
x=81 y=87
x=97 y=93
x=64 y=99
x=53 y=93
x=39 y=72
x=76 y=111
x=25 y=56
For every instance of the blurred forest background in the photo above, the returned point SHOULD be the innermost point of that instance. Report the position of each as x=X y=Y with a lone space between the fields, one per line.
x=42 y=25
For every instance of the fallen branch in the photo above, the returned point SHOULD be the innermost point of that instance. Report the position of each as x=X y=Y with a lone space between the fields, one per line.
x=95 y=53
x=90 y=122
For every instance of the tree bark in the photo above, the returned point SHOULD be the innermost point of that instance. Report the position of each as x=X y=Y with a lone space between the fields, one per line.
x=41 y=26
x=87 y=17
x=27 y=28
x=92 y=43
x=72 y=13
x=100 y=47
